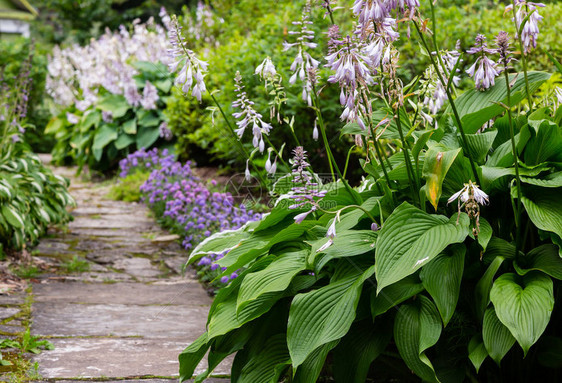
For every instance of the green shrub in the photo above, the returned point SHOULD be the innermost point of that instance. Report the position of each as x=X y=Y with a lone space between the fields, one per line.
x=128 y=188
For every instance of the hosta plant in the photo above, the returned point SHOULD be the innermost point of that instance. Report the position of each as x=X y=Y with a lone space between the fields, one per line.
x=444 y=264
x=111 y=95
x=31 y=196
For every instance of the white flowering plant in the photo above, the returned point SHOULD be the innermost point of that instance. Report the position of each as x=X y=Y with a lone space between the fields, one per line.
x=444 y=263
x=110 y=96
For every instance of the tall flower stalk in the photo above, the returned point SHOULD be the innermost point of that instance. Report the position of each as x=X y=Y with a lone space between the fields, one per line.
x=502 y=41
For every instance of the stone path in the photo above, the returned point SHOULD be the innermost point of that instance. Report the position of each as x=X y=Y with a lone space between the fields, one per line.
x=129 y=316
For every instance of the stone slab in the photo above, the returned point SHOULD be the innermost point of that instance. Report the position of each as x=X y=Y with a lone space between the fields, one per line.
x=186 y=292
x=138 y=267
x=166 y=321
x=6 y=312
x=115 y=357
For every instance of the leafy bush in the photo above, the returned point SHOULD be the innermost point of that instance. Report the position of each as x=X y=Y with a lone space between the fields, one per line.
x=15 y=54
x=112 y=94
x=31 y=196
x=446 y=255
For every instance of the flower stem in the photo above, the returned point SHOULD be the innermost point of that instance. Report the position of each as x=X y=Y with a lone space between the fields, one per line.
x=276 y=152
x=516 y=160
x=523 y=59
x=452 y=103
x=409 y=169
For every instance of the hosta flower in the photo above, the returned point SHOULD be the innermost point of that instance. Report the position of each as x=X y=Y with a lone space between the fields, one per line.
x=435 y=94
x=191 y=67
x=248 y=116
x=72 y=118
x=471 y=197
x=352 y=73
x=483 y=71
x=502 y=42
x=306 y=190
x=470 y=191
x=266 y=70
x=303 y=61
x=165 y=132
x=149 y=96
x=531 y=29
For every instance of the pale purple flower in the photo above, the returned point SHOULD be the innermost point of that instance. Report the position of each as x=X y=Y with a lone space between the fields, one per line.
x=483 y=71
x=248 y=116
x=191 y=67
x=132 y=95
x=530 y=31
x=247 y=173
x=315 y=131
x=107 y=116
x=165 y=132
x=303 y=61
x=266 y=70
x=306 y=190
x=149 y=96
x=72 y=118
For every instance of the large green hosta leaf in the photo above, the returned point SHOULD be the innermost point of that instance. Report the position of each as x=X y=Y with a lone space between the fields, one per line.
x=324 y=315
x=104 y=135
x=442 y=280
x=411 y=238
x=544 y=207
x=191 y=356
x=347 y=244
x=395 y=294
x=480 y=144
x=262 y=366
x=359 y=348
x=477 y=351
x=544 y=258
x=476 y=107
x=524 y=305
x=545 y=145
x=275 y=277
x=114 y=103
x=416 y=328
x=497 y=338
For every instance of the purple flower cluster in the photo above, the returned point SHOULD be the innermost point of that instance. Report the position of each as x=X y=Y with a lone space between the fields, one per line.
x=184 y=203
x=210 y=262
x=144 y=160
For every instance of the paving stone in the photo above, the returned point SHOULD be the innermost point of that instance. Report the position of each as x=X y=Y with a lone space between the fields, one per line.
x=13 y=299
x=138 y=267
x=186 y=292
x=6 y=312
x=162 y=321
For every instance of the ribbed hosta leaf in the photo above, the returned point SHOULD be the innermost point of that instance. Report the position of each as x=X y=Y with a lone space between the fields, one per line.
x=524 y=305
x=411 y=238
x=310 y=369
x=544 y=258
x=477 y=351
x=484 y=285
x=442 y=280
x=497 y=338
x=480 y=144
x=275 y=277
x=359 y=348
x=416 y=328
x=544 y=207
x=323 y=315
x=347 y=244
x=553 y=180
x=262 y=367
x=395 y=294
x=476 y=107
x=191 y=356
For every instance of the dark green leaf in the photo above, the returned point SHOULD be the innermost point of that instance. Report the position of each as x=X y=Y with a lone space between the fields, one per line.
x=477 y=351
x=395 y=294
x=114 y=103
x=476 y=107
x=104 y=135
x=416 y=328
x=411 y=238
x=322 y=316
x=442 y=279
x=497 y=338
x=544 y=258
x=523 y=305
x=191 y=356
x=146 y=136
